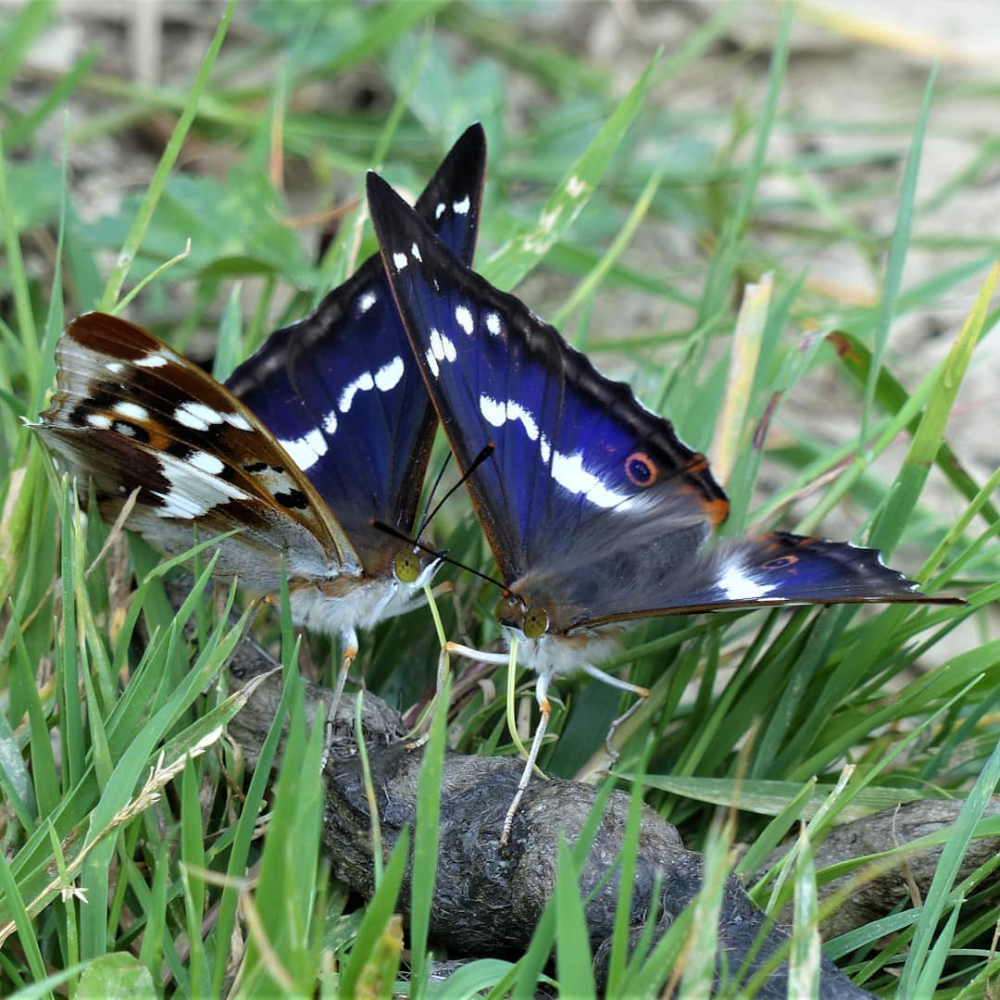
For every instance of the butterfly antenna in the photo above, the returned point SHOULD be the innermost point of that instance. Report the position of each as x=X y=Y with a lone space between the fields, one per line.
x=476 y=462
x=403 y=537
x=425 y=520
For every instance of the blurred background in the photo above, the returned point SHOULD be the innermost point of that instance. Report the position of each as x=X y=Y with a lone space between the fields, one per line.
x=542 y=77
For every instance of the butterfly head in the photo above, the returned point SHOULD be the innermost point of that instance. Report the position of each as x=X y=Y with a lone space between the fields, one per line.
x=513 y=612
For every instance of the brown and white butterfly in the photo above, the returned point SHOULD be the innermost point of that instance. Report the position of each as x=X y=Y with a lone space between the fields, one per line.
x=335 y=433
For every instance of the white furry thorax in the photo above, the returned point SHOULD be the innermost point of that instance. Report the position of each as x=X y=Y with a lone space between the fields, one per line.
x=564 y=655
x=362 y=606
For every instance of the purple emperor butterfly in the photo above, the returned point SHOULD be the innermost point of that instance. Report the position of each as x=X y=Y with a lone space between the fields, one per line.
x=325 y=429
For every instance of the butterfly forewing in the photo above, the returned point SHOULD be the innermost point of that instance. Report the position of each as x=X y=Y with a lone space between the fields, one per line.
x=575 y=455
x=341 y=389
x=131 y=413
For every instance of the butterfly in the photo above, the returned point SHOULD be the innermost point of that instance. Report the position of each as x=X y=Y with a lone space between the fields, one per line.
x=596 y=512
x=325 y=429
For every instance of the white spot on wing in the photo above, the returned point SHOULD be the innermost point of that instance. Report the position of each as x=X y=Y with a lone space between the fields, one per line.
x=194 y=491
x=464 y=319
x=415 y=251
x=442 y=347
x=238 y=421
x=494 y=412
x=517 y=412
x=493 y=324
x=388 y=376
x=131 y=410
x=439 y=209
x=99 y=420
x=114 y=366
x=366 y=301
x=154 y=360
x=197 y=416
x=432 y=363
x=461 y=207
x=738 y=586
x=498 y=414
x=330 y=423
x=399 y=259
x=568 y=472
x=307 y=450
x=362 y=383
x=206 y=462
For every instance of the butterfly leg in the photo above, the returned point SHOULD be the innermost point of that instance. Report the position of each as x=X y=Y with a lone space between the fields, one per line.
x=545 y=710
x=349 y=650
x=476 y=654
x=617 y=682
x=426 y=715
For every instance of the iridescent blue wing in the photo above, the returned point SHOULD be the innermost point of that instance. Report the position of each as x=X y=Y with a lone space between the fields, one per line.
x=593 y=507
x=340 y=389
x=576 y=456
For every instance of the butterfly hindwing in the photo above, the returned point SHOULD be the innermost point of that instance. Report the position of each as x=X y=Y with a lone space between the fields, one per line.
x=778 y=569
x=131 y=413
x=577 y=460
x=340 y=389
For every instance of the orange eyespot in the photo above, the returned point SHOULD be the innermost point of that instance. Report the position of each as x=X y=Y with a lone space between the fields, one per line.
x=780 y=563
x=536 y=623
x=640 y=469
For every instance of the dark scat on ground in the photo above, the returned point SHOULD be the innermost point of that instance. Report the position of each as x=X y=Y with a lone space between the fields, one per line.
x=488 y=902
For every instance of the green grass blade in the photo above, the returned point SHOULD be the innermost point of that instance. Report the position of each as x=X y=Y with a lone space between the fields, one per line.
x=247 y=824
x=19 y=35
x=152 y=195
x=573 y=957
x=805 y=959
x=377 y=915
x=227 y=347
x=930 y=977
x=586 y=288
x=515 y=259
x=947 y=870
x=425 y=843
x=286 y=892
x=703 y=944
x=192 y=865
x=897 y=258
x=895 y=515
x=718 y=281
x=891 y=396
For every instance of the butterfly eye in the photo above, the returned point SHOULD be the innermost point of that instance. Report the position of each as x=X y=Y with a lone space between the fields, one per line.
x=640 y=469
x=536 y=623
x=780 y=562
x=406 y=566
x=511 y=611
